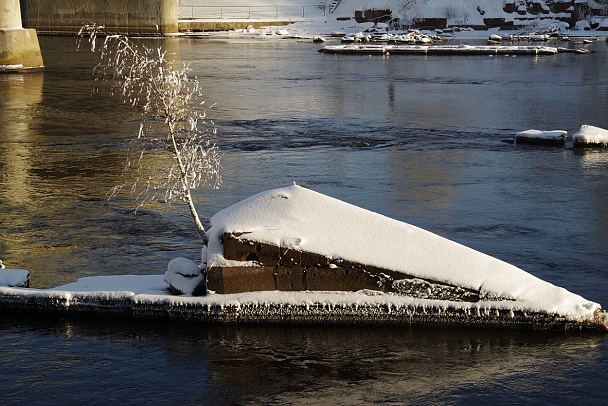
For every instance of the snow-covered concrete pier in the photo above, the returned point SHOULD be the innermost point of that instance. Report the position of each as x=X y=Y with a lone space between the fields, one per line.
x=295 y=256
x=310 y=308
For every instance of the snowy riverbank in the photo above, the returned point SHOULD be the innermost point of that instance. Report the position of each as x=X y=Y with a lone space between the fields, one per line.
x=321 y=18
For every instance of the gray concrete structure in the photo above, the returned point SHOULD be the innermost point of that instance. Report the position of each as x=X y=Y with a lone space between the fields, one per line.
x=19 y=47
x=133 y=17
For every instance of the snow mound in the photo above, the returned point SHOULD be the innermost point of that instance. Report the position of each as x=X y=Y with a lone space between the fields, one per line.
x=14 y=277
x=589 y=134
x=184 y=277
x=296 y=217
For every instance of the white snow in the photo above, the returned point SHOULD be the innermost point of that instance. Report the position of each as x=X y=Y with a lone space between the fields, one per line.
x=13 y=277
x=541 y=134
x=299 y=218
x=11 y=67
x=582 y=25
x=327 y=226
x=183 y=266
x=308 y=17
x=183 y=275
x=591 y=135
x=125 y=284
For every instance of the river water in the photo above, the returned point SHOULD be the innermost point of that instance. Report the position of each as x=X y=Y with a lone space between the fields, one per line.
x=419 y=139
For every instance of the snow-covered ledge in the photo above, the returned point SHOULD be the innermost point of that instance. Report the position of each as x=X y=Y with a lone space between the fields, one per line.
x=103 y=296
x=541 y=137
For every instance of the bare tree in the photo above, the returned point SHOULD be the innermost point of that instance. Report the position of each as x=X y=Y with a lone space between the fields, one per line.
x=173 y=122
x=408 y=12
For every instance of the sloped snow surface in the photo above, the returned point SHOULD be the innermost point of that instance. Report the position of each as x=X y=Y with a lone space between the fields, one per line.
x=299 y=218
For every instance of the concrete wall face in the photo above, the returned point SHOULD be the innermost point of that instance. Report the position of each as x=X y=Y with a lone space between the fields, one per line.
x=20 y=47
x=10 y=14
x=118 y=16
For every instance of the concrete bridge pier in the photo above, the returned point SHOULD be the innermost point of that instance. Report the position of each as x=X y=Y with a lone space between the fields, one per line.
x=19 y=47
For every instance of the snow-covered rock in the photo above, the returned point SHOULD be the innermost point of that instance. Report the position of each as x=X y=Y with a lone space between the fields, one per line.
x=554 y=137
x=590 y=136
x=582 y=25
x=184 y=277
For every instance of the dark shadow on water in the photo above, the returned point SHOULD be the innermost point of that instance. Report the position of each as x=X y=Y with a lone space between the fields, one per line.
x=130 y=361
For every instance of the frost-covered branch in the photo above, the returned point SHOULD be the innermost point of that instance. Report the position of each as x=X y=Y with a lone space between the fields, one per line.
x=173 y=132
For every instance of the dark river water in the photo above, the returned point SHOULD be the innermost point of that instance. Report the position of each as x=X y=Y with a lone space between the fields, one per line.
x=419 y=139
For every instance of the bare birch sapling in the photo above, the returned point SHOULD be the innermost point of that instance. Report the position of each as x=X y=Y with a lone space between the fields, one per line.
x=173 y=122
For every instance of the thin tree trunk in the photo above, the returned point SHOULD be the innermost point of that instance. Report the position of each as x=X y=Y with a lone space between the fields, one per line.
x=187 y=194
x=197 y=220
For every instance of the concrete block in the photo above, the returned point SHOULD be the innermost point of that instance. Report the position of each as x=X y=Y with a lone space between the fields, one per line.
x=346 y=279
x=19 y=48
x=238 y=249
x=241 y=279
x=291 y=278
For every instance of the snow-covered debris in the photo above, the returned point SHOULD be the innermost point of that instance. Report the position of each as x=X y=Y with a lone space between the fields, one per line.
x=590 y=136
x=462 y=49
x=14 y=277
x=335 y=229
x=184 y=277
x=582 y=25
x=554 y=137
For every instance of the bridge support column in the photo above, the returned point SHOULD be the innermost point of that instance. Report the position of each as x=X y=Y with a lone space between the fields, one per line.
x=19 y=47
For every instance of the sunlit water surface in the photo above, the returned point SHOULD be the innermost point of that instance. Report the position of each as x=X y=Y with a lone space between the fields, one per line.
x=419 y=139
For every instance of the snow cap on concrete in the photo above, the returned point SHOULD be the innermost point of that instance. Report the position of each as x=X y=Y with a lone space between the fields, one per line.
x=298 y=218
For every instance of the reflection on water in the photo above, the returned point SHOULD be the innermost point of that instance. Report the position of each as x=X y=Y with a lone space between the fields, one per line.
x=62 y=138
x=292 y=365
x=414 y=138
